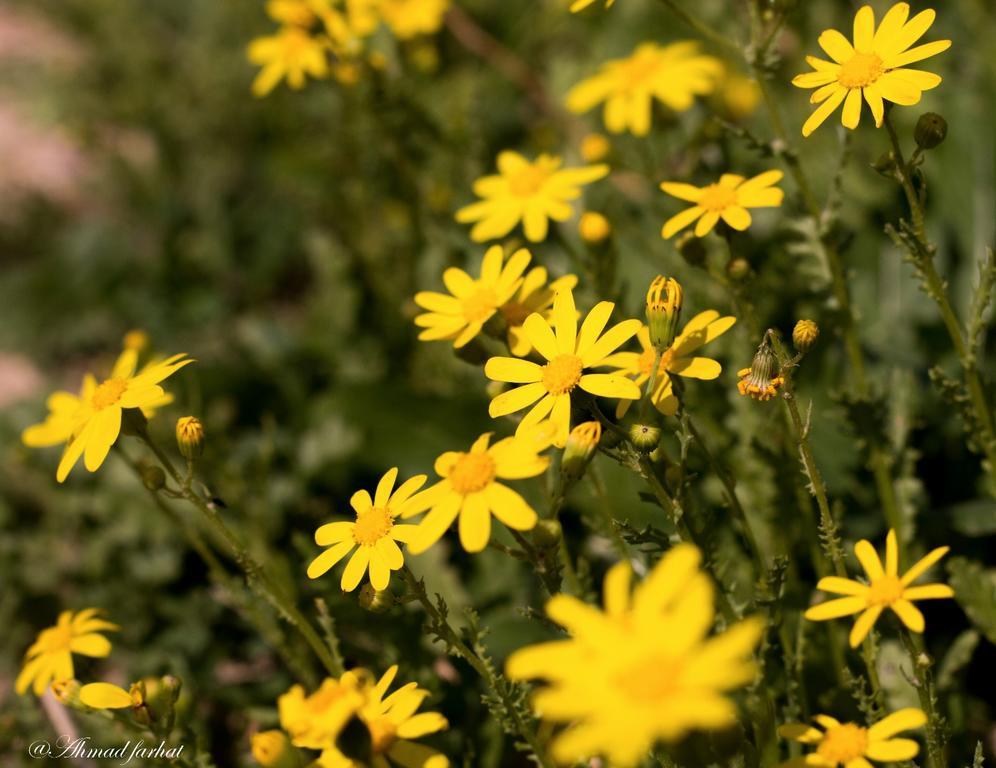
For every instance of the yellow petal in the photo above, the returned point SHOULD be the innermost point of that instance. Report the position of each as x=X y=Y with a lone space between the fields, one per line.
x=928 y=592
x=834 y=609
x=836 y=46
x=823 y=112
x=841 y=586
x=863 y=625
x=909 y=614
x=475 y=522
x=901 y=720
x=893 y=750
x=105 y=696
x=923 y=565
x=681 y=220
x=868 y=558
x=512 y=370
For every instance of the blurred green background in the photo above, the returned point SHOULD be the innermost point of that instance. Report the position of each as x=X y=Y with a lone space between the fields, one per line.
x=279 y=241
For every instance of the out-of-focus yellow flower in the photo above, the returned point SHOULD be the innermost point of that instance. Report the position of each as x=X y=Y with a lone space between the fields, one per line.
x=50 y=656
x=678 y=359
x=886 y=589
x=91 y=422
x=533 y=193
x=314 y=721
x=534 y=295
x=851 y=745
x=569 y=353
x=374 y=534
x=729 y=198
x=298 y=13
x=594 y=147
x=471 y=303
x=411 y=18
x=136 y=339
x=594 y=227
x=110 y=696
x=272 y=749
x=873 y=67
x=393 y=722
x=644 y=669
x=469 y=489
x=739 y=94
x=672 y=74
x=292 y=54
x=580 y=5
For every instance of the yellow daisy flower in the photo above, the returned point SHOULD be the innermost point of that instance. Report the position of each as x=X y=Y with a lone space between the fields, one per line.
x=534 y=295
x=532 y=193
x=91 y=423
x=393 y=722
x=471 y=303
x=644 y=669
x=672 y=74
x=292 y=54
x=50 y=656
x=729 y=199
x=314 y=721
x=569 y=354
x=470 y=490
x=580 y=5
x=886 y=589
x=873 y=67
x=374 y=535
x=851 y=745
x=411 y=18
x=677 y=359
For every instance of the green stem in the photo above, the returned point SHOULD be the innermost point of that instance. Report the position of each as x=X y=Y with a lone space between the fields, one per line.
x=925 y=691
x=605 y=510
x=256 y=576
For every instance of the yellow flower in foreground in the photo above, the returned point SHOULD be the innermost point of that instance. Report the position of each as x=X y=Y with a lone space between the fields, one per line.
x=374 y=535
x=314 y=721
x=677 y=359
x=580 y=5
x=886 y=589
x=644 y=669
x=569 y=353
x=729 y=199
x=411 y=18
x=672 y=74
x=470 y=489
x=393 y=721
x=292 y=54
x=471 y=303
x=91 y=423
x=535 y=295
x=532 y=193
x=109 y=696
x=851 y=745
x=300 y=13
x=50 y=656
x=873 y=67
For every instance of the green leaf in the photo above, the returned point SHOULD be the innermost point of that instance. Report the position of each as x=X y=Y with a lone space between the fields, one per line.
x=975 y=591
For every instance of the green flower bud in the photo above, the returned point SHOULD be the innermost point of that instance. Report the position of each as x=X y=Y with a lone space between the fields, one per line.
x=547 y=534
x=644 y=437
x=153 y=477
x=738 y=268
x=931 y=129
x=581 y=446
x=664 y=300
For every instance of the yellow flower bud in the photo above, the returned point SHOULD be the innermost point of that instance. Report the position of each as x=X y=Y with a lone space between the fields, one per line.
x=190 y=436
x=581 y=446
x=547 y=534
x=663 y=311
x=804 y=334
x=594 y=227
x=67 y=691
x=595 y=147
x=272 y=749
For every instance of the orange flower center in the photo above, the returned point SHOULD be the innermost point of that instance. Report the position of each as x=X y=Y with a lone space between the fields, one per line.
x=844 y=743
x=371 y=526
x=108 y=393
x=862 y=69
x=650 y=680
x=562 y=374
x=480 y=305
x=885 y=591
x=717 y=198
x=528 y=181
x=472 y=472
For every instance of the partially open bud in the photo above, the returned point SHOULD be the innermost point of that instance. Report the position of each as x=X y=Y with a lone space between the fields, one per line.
x=931 y=129
x=761 y=381
x=594 y=227
x=595 y=147
x=644 y=437
x=663 y=311
x=190 y=436
x=153 y=477
x=372 y=600
x=581 y=446
x=67 y=692
x=547 y=534
x=272 y=749
x=804 y=334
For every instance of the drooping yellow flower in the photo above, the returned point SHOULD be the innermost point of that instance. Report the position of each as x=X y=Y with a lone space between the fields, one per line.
x=764 y=377
x=728 y=199
x=580 y=5
x=91 y=422
x=569 y=354
x=50 y=656
x=471 y=303
x=644 y=669
x=672 y=74
x=534 y=295
x=411 y=18
x=678 y=359
x=851 y=745
x=886 y=589
x=110 y=696
x=874 y=67
x=374 y=535
x=314 y=721
x=393 y=722
x=532 y=193
x=293 y=54
x=469 y=489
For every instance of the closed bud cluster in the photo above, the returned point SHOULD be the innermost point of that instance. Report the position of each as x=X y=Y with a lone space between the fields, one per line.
x=804 y=334
x=931 y=129
x=594 y=227
x=190 y=436
x=581 y=446
x=663 y=311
